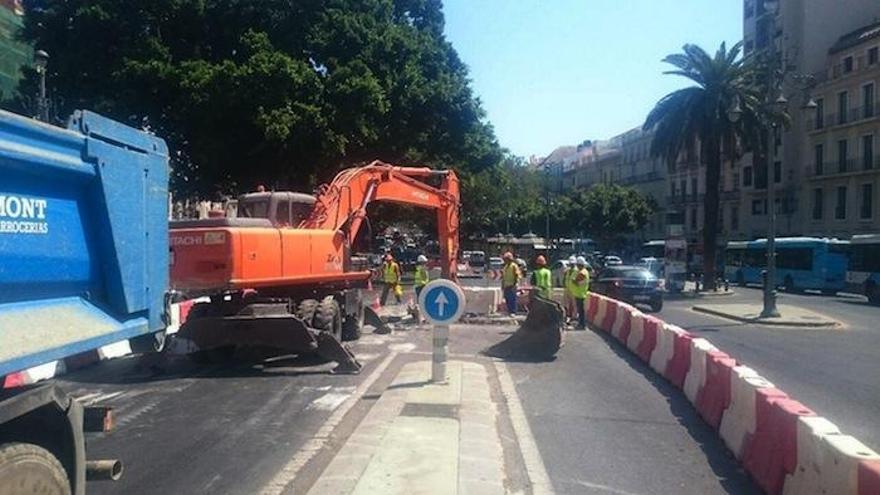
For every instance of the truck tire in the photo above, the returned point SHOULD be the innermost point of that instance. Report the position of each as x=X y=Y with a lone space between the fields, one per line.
x=328 y=317
x=305 y=311
x=30 y=469
x=144 y=344
x=352 y=325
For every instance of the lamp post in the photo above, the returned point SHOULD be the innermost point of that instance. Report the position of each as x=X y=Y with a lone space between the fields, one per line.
x=41 y=64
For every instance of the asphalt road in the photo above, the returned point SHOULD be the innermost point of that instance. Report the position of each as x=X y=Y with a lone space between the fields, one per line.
x=835 y=372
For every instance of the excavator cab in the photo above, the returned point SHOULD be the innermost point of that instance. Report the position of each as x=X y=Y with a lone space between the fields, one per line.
x=283 y=209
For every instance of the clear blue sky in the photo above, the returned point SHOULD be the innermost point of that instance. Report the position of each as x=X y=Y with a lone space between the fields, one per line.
x=555 y=72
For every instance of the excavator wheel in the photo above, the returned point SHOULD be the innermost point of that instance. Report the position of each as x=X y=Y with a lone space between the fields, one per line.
x=538 y=338
x=328 y=317
x=306 y=310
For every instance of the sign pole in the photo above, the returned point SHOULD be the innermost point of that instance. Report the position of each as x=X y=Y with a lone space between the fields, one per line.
x=438 y=357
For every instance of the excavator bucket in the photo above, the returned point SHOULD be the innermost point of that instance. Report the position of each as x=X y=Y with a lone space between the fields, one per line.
x=373 y=318
x=538 y=338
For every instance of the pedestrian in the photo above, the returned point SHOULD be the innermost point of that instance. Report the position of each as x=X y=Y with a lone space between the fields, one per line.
x=541 y=277
x=510 y=276
x=568 y=288
x=581 y=288
x=421 y=276
x=390 y=279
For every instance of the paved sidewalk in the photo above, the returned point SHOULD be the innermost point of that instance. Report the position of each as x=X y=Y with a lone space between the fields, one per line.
x=791 y=316
x=422 y=437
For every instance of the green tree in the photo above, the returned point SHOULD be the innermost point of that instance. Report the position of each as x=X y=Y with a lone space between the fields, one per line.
x=270 y=91
x=608 y=211
x=696 y=118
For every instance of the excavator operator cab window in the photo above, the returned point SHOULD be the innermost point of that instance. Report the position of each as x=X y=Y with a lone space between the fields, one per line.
x=282 y=214
x=253 y=208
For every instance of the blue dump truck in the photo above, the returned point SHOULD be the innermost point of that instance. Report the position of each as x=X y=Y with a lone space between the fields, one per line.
x=83 y=263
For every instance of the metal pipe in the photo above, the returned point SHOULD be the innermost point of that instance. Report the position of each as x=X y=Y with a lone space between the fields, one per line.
x=104 y=470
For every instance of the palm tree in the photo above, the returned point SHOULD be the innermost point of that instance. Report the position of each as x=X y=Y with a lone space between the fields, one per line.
x=696 y=118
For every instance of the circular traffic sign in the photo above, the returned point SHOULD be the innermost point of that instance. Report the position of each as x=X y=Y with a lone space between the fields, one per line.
x=442 y=302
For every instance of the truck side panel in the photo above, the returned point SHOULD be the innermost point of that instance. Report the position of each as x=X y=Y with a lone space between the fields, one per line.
x=83 y=237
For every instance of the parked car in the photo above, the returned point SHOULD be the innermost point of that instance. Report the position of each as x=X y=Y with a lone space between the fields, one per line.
x=633 y=284
x=496 y=263
x=612 y=260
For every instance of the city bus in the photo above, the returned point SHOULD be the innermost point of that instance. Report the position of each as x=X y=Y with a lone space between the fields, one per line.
x=863 y=273
x=802 y=263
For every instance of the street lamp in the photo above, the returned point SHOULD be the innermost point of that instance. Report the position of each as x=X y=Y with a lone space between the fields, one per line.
x=41 y=64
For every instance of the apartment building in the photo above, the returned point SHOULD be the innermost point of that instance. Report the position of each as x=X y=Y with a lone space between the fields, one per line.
x=13 y=53
x=802 y=31
x=842 y=139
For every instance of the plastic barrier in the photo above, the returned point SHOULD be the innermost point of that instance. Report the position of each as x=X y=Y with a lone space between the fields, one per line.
x=602 y=308
x=678 y=367
x=771 y=453
x=481 y=300
x=636 y=332
x=610 y=315
x=650 y=328
x=869 y=477
x=807 y=476
x=663 y=351
x=623 y=321
x=740 y=419
x=696 y=375
x=592 y=307
x=714 y=397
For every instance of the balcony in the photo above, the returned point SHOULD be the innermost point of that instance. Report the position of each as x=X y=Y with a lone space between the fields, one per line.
x=639 y=178
x=852 y=116
x=852 y=166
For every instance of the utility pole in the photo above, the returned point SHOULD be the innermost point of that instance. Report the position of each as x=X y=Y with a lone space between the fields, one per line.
x=41 y=64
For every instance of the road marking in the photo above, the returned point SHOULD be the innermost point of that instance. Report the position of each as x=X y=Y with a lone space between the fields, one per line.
x=314 y=445
x=535 y=470
x=331 y=400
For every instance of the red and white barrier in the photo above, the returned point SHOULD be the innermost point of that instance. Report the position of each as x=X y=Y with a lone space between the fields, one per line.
x=592 y=307
x=784 y=446
x=696 y=375
x=740 y=418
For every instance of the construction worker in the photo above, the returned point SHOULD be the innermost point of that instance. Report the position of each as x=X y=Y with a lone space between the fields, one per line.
x=580 y=290
x=510 y=276
x=568 y=287
x=541 y=277
x=390 y=278
x=421 y=276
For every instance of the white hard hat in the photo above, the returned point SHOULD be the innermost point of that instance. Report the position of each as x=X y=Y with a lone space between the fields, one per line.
x=572 y=259
x=581 y=260
x=422 y=259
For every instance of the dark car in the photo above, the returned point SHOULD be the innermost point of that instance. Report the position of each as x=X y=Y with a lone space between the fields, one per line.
x=633 y=284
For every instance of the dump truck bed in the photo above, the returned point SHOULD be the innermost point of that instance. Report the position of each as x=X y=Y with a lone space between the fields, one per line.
x=83 y=237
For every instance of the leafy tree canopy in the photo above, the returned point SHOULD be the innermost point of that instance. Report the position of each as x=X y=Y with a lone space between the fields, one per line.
x=277 y=92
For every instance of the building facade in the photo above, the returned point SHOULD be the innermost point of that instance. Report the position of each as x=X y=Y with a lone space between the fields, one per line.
x=13 y=53
x=841 y=142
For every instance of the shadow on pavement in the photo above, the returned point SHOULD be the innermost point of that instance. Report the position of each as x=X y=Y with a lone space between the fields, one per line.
x=723 y=464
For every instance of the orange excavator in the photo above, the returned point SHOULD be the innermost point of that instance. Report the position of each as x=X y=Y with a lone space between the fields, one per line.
x=281 y=275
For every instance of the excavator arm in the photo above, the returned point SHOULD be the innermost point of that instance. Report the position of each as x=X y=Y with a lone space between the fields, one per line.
x=342 y=205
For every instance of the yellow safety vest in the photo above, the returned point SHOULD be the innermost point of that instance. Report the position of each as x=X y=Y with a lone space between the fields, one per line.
x=391 y=273
x=581 y=288
x=510 y=275
x=421 y=277
x=568 y=280
x=542 y=281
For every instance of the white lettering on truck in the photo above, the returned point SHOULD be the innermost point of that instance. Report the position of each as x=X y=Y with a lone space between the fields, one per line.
x=22 y=215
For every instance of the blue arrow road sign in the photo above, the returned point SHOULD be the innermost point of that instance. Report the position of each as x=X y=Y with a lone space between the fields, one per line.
x=442 y=302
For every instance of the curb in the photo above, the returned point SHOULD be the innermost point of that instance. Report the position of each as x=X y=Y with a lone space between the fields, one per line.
x=807 y=324
x=783 y=445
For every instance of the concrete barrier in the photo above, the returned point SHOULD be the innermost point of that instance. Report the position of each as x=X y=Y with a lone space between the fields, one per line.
x=650 y=328
x=740 y=419
x=481 y=300
x=714 y=397
x=869 y=477
x=592 y=307
x=696 y=375
x=770 y=455
x=807 y=475
x=601 y=309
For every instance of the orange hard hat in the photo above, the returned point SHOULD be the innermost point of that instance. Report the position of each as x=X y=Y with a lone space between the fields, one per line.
x=541 y=260
x=508 y=255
